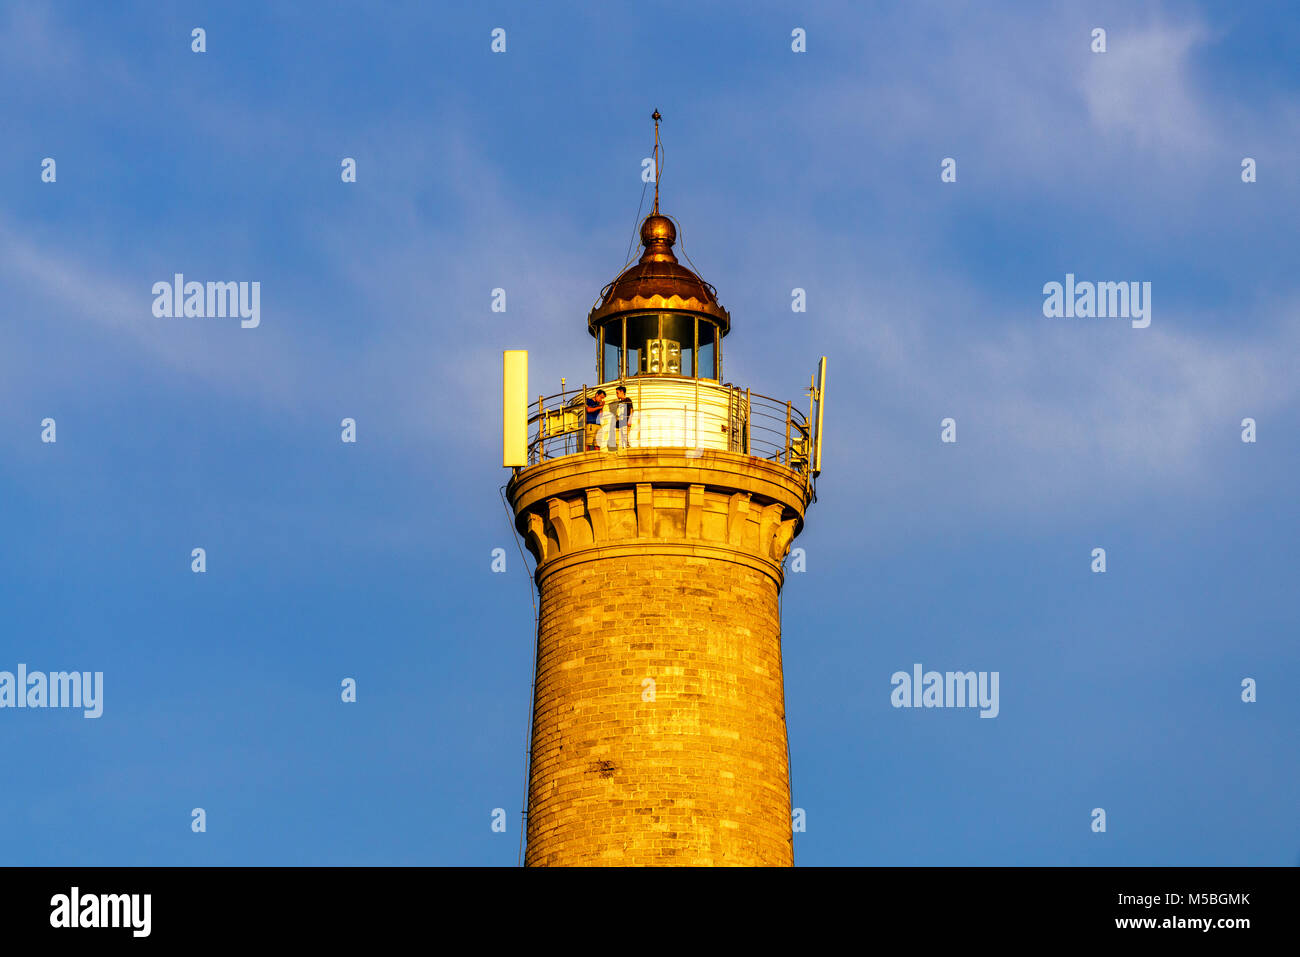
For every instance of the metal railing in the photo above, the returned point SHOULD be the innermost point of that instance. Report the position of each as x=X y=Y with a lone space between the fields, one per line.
x=671 y=412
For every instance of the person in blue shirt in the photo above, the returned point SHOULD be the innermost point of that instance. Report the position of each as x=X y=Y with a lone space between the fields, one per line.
x=595 y=406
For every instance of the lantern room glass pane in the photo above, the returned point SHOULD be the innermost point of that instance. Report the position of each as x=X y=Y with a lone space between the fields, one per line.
x=641 y=330
x=708 y=354
x=610 y=370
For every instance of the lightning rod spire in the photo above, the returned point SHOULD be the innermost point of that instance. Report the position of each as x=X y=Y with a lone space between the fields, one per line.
x=656 y=117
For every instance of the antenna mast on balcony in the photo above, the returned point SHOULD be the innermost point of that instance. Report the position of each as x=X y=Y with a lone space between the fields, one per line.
x=656 y=117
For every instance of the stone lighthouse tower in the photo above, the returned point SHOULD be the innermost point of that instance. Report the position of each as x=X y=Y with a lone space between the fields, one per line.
x=660 y=514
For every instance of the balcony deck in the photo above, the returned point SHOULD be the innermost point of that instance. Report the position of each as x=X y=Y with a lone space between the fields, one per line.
x=672 y=412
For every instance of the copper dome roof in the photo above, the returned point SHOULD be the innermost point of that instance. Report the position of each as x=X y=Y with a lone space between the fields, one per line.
x=657 y=281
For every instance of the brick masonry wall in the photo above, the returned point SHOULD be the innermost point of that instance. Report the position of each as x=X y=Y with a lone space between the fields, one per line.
x=697 y=776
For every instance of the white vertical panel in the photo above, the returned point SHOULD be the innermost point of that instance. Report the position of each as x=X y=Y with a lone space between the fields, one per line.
x=514 y=407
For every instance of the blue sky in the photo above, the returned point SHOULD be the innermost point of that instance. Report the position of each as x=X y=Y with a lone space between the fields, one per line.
x=522 y=170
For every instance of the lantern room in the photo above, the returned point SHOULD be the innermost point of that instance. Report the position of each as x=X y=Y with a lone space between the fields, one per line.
x=658 y=318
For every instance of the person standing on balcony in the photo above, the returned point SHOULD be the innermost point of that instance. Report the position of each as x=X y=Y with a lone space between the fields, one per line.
x=595 y=406
x=622 y=415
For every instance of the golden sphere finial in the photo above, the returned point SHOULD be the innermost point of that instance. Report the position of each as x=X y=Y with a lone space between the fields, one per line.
x=658 y=229
x=657 y=236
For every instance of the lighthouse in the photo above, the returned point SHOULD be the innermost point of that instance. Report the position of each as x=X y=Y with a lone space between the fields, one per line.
x=659 y=501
